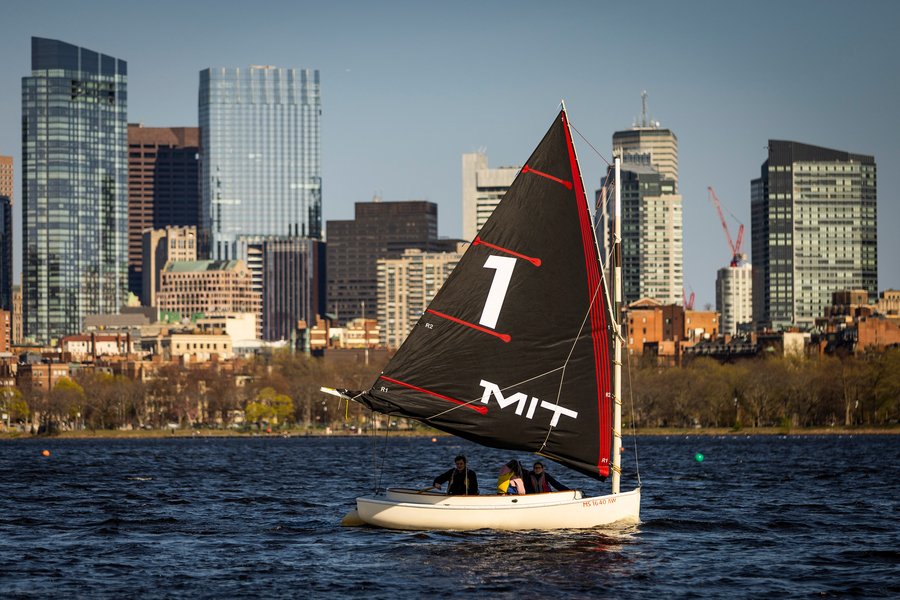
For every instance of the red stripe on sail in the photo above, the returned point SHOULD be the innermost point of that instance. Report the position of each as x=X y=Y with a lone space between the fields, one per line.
x=482 y=409
x=502 y=336
x=535 y=261
x=527 y=169
x=597 y=316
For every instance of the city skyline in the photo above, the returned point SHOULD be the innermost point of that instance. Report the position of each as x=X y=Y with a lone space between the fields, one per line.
x=409 y=88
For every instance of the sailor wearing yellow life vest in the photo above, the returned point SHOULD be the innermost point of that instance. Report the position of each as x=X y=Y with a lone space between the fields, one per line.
x=510 y=481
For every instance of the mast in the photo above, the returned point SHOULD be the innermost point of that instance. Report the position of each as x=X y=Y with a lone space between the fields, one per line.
x=617 y=337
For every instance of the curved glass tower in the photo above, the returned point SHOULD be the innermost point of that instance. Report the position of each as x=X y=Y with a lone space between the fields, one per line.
x=74 y=188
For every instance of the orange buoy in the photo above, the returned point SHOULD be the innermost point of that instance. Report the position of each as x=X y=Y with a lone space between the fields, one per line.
x=46 y=453
x=433 y=439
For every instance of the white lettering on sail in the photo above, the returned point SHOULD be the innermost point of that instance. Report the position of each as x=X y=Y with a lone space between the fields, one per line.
x=492 y=388
x=519 y=398
x=558 y=410
x=503 y=266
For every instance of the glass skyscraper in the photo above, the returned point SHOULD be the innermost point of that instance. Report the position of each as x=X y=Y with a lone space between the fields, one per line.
x=74 y=188
x=814 y=231
x=261 y=155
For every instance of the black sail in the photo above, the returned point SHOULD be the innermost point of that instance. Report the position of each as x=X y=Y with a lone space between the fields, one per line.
x=514 y=350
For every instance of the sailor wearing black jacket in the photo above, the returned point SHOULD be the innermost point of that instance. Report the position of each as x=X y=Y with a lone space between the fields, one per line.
x=462 y=479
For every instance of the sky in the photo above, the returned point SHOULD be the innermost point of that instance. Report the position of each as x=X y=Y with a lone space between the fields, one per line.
x=408 y=87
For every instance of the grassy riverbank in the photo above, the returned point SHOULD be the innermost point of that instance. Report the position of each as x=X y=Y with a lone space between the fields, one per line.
x=187 y=433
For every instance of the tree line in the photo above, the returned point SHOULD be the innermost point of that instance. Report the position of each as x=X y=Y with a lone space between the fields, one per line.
x=785 y=391
x=282 y=390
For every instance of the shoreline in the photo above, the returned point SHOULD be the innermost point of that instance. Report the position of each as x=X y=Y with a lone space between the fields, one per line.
x=139 y=434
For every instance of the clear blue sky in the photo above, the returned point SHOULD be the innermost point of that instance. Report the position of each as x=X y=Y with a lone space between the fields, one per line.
x=408 y=87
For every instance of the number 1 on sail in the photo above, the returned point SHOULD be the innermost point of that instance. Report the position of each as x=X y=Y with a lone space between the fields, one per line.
x=503 y=268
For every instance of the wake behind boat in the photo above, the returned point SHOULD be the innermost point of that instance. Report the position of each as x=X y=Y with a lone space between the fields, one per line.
x=519 y=350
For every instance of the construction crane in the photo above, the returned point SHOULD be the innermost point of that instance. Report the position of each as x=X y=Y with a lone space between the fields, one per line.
x=687 y=304
x=736 y=253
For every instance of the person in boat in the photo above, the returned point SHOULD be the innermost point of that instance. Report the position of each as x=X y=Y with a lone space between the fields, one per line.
x=537 y=481
x=510 y=481
x=462 y=479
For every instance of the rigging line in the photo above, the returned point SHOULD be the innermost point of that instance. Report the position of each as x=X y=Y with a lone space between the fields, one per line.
x=588 y=143
x=569 y=357
x=384 y=452
x=637 y=468
x=512 y=385
x=374 y=452
x=604 y=200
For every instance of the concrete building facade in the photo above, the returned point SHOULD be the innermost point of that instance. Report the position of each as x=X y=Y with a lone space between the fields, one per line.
x=209 y=288
x=734 y=296
x=406 y=285
x=159 y=246
x=483 y=188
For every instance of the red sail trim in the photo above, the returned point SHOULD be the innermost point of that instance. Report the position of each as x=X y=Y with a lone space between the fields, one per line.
x=527 y=169
x=597 y=316
x=535 y=261
x=481 y=409
x=502 y=336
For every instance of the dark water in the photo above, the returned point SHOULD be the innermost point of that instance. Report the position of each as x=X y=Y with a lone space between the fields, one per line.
x=760 y=517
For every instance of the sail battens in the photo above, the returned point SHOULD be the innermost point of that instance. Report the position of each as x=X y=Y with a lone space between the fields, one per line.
x=535 y=261
x=527 y=169
x=502 y=336
x=481 y=409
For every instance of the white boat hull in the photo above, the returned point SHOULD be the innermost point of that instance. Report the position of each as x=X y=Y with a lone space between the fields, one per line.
x=412 y=510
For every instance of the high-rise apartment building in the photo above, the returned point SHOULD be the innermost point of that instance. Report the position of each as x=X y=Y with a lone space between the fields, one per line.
x=159 y=246
x=6 y=176
x=483 y=189
x=734 y=296
x=406 y=285
x=380 y=230
x=813 y=231
x=652 y=243
x=261 y=155
x=74 y=191
x=163 y=187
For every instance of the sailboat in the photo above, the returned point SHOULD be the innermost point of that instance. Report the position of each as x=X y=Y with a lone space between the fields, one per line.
x=519 y=350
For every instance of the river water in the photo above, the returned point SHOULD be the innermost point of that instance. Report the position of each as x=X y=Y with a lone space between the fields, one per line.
x=759 y=517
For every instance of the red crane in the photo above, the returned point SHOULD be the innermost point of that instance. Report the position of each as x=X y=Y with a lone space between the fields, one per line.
x=736 y=253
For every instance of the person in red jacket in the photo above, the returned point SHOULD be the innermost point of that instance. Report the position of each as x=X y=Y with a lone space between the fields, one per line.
x=538 y=482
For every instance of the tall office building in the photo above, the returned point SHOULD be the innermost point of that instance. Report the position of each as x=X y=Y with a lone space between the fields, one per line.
x=734 y=296
x=74 y=191
x=406 y=285
x=380 y=230
x=483 y=189
x=163 y=187
x=6 y=176
x=261 y=155
x=648 y=144
x=6 y=253
x=813 y=231
x=286 y=271
x=652 y=244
